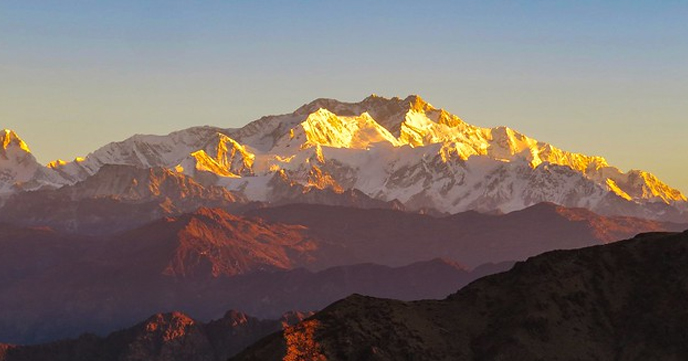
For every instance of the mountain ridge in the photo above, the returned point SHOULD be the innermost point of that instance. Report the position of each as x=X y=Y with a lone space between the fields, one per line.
x=612 y=302
x=267 y=261
x=403 y=150
x=163 y=336
x=114 y=198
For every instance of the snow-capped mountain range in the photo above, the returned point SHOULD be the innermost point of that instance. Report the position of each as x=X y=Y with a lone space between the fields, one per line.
x=394 y=149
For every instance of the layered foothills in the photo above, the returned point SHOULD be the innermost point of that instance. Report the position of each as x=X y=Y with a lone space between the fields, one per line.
x=386 y=197
x=617 y=301
x=169 y=336
x=622 y=301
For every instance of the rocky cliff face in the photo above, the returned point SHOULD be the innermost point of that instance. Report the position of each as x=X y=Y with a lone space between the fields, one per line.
x=622 y=301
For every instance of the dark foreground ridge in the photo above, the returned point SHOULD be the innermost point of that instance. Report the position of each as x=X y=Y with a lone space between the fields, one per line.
x=622 y=301
x=56 y=285
x=162 y=337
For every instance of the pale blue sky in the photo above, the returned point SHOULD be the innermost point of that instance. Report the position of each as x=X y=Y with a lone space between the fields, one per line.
x=604 y=78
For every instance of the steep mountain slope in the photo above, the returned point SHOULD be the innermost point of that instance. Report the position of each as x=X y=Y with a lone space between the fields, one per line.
x=623 y=301
x=141 y=151
x=16 y=161
x=221 y=156
x=162 y=337
x=212 y=242
x=470 y=238
x=19 y=169
x=101 y=298
x=511 y=171
x=395 y=149
x=321 y=189
x=54 y=285
x=117 y=197
x=208 y=261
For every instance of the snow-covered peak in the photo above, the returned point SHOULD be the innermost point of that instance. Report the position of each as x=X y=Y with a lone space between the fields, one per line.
x=142 y=151
x=19 y=168
x=326 y=129
x=637 y=184
x=388 y=112
x=427 y=127
x=416 y=103
x=10 y=139
x=391 y=149
x=17 y=164
x=413 y=122
x=128 y=183
x=222 y=156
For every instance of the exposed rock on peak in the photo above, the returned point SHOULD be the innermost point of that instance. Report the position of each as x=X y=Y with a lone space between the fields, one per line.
x=213 y=243
x=324 y=128
x=388 y=112
x=8 y=138
x=19 y=169
x=117 y=197
x=141 y=151
x=163 y=337
x=221 y=156
x=133 y=184
x=389 y=149
x=416 y=103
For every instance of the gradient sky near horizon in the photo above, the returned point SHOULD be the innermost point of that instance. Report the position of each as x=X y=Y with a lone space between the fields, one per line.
x=605 y=78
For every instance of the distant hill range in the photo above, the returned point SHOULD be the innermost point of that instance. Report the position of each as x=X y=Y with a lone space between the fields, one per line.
x=623 y=301
x=162 y=337
x=385 y=197
x=268 y=261
x=618 y=301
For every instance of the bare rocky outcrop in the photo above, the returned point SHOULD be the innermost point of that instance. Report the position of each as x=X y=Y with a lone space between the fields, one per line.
x=162 y=337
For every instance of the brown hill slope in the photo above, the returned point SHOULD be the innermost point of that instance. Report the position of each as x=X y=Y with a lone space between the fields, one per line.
x=623 y=301
x=208 y=261
x=117 y=198
x=162 y=337
x=212 y=243
x=201 y=263
x=470 y=238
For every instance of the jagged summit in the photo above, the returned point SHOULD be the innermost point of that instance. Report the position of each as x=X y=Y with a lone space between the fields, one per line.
x=392 y=150
x=221 y=156
x=19 y=169
x=388 y=112
x=418 y=104
x=9 y=138
x=130 y=183
x=325 y=128
x=412 y=101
